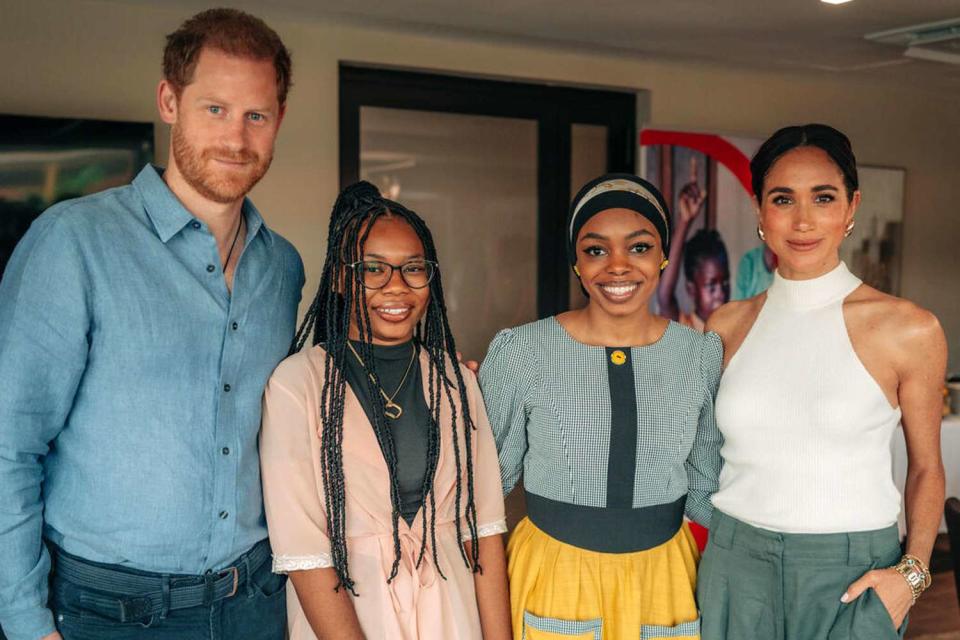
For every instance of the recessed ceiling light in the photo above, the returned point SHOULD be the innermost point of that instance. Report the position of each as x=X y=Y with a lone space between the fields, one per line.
x=835 y=1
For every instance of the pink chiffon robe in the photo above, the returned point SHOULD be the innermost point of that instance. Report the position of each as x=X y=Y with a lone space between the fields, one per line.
x=418 y=604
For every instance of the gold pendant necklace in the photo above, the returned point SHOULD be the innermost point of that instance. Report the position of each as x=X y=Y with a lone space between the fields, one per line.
x=390 y=408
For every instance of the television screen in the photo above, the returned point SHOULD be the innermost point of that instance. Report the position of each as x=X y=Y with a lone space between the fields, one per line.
x=46 y=160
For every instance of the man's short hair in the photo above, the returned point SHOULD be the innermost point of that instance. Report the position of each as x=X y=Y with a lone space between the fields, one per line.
x=231 y=31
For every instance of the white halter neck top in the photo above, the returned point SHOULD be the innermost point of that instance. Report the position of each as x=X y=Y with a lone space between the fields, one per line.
x=806 y=428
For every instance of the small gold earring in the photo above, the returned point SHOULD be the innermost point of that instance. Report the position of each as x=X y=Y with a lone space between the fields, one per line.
x=576 y=271
x=663 y=265
x=849 y=228
x=760 y=233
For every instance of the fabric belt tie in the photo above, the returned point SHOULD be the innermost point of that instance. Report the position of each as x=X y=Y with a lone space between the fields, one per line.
x=410 y=579
x=158 y=593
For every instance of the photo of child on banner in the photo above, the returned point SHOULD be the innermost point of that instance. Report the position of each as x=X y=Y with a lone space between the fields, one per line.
x=716 y=255
x=714 y=242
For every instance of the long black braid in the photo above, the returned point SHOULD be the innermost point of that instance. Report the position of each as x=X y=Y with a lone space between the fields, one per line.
x=328 y=319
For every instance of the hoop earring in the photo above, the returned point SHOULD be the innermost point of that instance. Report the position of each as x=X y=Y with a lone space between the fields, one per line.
x=663 y=265
x=576 y=271
x=760 y=233
x=850 y=227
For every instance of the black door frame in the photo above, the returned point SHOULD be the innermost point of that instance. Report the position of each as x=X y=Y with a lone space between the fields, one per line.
x=554 y=108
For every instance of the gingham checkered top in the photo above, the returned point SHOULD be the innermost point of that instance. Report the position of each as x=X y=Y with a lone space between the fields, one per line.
x=548 y=400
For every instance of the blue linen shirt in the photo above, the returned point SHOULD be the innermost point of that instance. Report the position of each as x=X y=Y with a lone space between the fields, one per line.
x=130 y=390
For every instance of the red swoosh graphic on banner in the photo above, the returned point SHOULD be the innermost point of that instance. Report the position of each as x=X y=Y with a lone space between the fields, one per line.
x=712 y=145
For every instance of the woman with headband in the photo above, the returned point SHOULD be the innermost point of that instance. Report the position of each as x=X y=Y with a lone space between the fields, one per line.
x=820 y=370
x=608 y=413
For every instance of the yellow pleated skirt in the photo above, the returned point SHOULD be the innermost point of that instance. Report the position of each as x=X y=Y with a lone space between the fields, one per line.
x=559 y=591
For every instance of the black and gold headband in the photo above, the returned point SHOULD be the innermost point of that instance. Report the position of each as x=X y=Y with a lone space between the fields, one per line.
x=617 y=191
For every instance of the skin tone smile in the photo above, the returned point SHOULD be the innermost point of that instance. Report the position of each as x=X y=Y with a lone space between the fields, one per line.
x=619 y=253
x=805 y=212
x=396 y=308
x=223 y=127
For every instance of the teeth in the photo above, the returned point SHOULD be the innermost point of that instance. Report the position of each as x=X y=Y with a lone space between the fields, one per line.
x=394 y=311
x=619 y=290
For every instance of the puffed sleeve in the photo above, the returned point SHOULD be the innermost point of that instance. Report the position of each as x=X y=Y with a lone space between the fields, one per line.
x=704 y=462
x=289 y=461
x=488 y=497
x=508 y=377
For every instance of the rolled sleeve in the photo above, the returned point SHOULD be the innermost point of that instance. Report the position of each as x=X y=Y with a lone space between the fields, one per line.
x=44 y=328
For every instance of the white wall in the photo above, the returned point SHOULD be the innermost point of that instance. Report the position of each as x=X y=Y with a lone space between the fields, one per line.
x=102 y=60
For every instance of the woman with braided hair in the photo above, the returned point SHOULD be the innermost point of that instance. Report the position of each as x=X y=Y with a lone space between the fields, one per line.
x=380 y=474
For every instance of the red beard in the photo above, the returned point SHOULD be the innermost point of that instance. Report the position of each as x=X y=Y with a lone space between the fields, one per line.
x=223 y=185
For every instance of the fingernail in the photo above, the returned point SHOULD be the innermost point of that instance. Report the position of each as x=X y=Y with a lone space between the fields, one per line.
x=845 y=598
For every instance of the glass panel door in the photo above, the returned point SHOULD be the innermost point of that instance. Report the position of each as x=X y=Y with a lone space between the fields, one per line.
x=473 y=179
x=588 y=160
x=490 y=166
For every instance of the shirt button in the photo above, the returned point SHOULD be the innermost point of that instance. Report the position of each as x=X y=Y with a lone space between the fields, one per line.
x=226 y=388
x=225 y=451
x=195 y=225
x=211 y=268
x=235 y=326
x=618 y=357
x=224 y=515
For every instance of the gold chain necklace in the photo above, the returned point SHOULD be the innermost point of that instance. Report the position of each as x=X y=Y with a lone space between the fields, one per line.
x=391 y=409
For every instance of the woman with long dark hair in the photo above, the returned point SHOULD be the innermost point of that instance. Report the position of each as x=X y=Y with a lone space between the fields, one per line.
x=608 y=413
x=819 y=371
x=380 y=473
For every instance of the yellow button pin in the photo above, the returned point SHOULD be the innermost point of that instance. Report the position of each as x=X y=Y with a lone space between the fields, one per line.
x=618 y=357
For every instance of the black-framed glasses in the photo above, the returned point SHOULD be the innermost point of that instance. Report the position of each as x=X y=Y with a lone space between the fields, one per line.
x=375 y=274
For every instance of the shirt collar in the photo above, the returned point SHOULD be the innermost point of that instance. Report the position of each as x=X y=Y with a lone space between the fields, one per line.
x=255 y=223
x=168 y=214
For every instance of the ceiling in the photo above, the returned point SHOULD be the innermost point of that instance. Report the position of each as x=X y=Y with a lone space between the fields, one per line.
x=772 y=34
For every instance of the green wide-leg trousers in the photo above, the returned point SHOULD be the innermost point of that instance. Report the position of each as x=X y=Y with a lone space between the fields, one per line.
x=756 y=584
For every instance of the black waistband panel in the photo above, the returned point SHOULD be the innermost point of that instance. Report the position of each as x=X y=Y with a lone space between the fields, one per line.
x=603 y=529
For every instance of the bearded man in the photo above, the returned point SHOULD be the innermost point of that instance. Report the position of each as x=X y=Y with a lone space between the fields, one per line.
x=137 y=329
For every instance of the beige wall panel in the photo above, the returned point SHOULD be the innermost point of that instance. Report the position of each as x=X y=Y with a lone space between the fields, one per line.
x=102 y=60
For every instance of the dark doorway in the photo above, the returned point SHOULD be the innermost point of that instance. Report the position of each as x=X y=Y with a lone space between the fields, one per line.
x=560 y=119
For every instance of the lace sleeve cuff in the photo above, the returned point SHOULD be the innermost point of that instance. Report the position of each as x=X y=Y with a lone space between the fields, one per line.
x=285 y=564
x=490 y=529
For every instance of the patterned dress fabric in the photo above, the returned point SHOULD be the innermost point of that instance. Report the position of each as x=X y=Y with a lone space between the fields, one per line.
x=548 y=397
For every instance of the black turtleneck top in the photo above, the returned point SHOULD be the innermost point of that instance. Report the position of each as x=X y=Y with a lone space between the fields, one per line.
x=410 y=429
